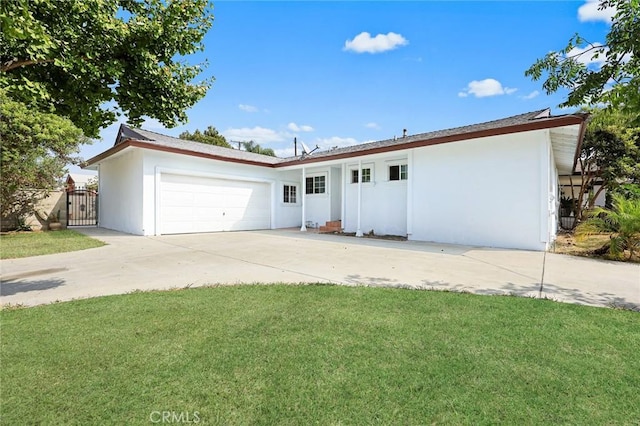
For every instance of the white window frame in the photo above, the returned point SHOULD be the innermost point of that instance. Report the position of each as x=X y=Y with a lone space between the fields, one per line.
x=400 y=165
x=314 y=176
x=368 y=166
x=297 y=194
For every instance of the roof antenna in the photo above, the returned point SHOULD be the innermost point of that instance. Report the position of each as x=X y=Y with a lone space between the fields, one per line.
x=295 y=147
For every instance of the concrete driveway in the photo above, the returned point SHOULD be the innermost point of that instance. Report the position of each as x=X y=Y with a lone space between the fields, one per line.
x=130 y=263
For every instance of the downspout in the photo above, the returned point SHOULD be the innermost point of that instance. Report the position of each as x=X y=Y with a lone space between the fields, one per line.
x=359 y=230
x=303 y=228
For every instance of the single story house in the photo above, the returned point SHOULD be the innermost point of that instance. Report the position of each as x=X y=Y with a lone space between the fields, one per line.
x=490 y=184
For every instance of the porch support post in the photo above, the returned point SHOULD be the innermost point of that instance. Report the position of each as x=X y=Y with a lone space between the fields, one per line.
x=343 y=184
x=303 y=228
x=359 y=230
x=409 y=194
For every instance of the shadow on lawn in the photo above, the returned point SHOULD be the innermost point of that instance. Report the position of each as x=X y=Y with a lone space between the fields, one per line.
x=11 y=287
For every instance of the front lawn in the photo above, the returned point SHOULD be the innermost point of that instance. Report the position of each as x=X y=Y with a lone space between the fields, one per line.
x=26 y=244
x=319 y=355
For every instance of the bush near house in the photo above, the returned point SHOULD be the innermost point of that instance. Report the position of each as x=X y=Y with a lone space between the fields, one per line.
x=621 y=222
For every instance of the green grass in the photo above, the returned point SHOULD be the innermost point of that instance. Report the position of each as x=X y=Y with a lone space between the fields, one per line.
x=26 y=244
x=319 y=355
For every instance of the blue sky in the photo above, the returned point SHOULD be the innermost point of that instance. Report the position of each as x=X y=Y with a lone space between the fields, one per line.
x=342 y=73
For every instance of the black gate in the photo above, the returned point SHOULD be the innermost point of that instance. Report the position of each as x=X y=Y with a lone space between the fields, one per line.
x=82 y=207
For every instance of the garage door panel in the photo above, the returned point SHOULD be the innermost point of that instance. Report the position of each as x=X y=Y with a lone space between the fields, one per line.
x=191 y=204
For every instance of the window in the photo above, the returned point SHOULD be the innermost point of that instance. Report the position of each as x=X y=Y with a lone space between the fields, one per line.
x=398 y=172
x=366 y=175
x=290 y=194
x=315 y=185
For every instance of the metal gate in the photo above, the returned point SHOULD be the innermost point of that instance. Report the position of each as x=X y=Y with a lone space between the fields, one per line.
x=82 y=207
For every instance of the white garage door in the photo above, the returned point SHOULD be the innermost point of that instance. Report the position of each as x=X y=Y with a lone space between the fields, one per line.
x=196 y=204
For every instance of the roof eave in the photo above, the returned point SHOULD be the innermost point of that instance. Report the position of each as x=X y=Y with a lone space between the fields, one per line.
x=538 y=124
x=146 y=145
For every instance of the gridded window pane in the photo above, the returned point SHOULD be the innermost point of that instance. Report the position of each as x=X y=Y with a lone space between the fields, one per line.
x=315 y=185
x=366 y=175
x=354 y=176
x=289 y=194
x=399 y=172
x=319 y=185
x=403 y=172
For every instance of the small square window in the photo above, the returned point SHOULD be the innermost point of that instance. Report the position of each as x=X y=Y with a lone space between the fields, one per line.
x=289 y=195
x=398 y=172
x=315 y=185
x=366 y=175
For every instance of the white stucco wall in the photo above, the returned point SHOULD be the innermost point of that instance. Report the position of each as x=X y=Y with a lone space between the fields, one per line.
x=489 y=191
x=384 y=202
x=318 y=206
x=120 y=200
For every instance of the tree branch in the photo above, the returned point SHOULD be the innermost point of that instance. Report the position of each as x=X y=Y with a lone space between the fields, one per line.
x=13 y=64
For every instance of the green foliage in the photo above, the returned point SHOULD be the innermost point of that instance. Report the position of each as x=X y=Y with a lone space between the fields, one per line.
x=610 y=153
x=251 y=146
x=630 y=191
x=622 y=222
x=86 y=59
x=36 y=147
x=209 y=136
x=592 y=85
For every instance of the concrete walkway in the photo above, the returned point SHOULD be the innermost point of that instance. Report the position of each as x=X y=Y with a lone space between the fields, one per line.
x=130 y=263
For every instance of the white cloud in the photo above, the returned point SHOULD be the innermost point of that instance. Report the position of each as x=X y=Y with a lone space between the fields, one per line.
x=531 y=95
x=247 y=108
x=372 y=125
x=589 y=12
x=257 y=134
x=328 y=143
x=363 y=42
x=303 y=128
x=486 y=87
x=586 y=55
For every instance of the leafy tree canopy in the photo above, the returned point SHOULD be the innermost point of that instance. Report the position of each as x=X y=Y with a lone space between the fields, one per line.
x=251 y=146
x=616 y=83
x=210 y=136
x=36 y=147
x=610 y=153
x=87 y=60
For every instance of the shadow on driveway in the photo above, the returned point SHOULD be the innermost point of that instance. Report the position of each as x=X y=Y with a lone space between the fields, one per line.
x=9 y=288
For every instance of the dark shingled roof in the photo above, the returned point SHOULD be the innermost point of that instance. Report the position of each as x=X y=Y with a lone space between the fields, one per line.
x=489 y=125
x=153 y=138
x=523 y=122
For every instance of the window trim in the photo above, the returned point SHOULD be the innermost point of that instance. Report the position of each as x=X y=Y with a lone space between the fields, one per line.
x=313 y=177
x=399 y=165
x=296 y=194
x=354 y=169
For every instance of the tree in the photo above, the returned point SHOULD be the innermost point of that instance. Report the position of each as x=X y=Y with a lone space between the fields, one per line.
x=36 y=147
x=616 y=83
x=88 y=60
x=610 y=154
x=622 y=222
x=210 y=136
x=251 y=146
